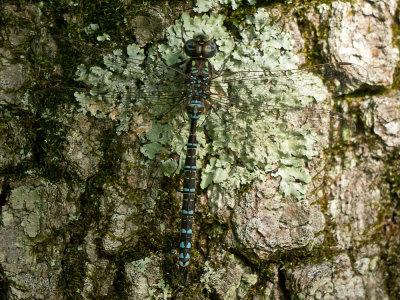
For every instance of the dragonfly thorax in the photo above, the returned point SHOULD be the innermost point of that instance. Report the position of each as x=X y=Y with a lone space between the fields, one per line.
x=199 y=73
x=200 y=46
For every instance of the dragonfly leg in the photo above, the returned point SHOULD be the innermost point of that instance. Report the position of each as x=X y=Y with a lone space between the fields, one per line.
x=177 y=64
x=172 y=67
x=183 y=39
x=206 y=113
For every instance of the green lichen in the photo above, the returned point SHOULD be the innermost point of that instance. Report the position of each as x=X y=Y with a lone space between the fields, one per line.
x=212 y=277
x=203 y=6
x=147 y=287
x=163 y=291
x=139 y=266
x=244 y=143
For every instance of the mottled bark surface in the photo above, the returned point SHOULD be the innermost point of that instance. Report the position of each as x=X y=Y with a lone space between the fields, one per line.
x=84 y=215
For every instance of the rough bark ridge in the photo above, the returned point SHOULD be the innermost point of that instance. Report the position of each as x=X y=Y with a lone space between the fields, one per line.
x=84 y=215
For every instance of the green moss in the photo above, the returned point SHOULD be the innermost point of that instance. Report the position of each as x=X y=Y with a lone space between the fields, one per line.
x=238 y=9
x=396 y=33
x=388 y=225
x=388 y=204
x=74 y=271
x=5 y=284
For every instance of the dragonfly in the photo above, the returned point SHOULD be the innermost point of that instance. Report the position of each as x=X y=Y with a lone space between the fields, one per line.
x=199 y=74
x=195 y=86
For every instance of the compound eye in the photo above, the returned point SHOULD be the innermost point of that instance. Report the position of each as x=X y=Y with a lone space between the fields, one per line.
x=209 y=49
x=191 y=48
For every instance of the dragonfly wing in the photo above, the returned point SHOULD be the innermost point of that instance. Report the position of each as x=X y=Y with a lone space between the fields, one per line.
x=280 y=95
x=341 y=77
x=131 y=59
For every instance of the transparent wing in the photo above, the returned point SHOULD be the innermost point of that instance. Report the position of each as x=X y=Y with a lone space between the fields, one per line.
x=291 y=94
x=135 y=80
x=340 y=77
x=252 y=93
x=133 y=61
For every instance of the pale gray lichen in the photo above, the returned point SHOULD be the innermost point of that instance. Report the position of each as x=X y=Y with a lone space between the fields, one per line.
x=139 y=267
x=242 y=147
x=145 y=281
x=212 y=277
x=231 y=280
x=91 y=28
x=163 y=291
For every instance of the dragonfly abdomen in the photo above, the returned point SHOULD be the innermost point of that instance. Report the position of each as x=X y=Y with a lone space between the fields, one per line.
x=188 y=205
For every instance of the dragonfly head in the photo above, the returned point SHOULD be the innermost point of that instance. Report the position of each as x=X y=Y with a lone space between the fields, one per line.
x=200 y=46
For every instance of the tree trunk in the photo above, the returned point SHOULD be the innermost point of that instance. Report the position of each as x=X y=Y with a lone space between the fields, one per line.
x=298 y=183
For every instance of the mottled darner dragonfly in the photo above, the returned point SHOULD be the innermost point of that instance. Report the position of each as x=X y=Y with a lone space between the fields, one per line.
x=194 y=84
x=199 y=75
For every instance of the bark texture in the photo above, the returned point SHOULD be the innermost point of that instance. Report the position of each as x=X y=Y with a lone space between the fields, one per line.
x=85 y=216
